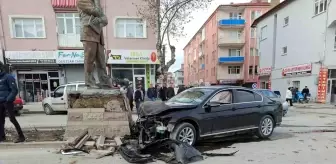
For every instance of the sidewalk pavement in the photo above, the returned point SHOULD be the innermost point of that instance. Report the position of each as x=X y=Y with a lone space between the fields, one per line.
x=315 y=106
x=33 y=107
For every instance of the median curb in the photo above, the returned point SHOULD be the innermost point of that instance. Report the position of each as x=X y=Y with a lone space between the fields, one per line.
x=50 y=144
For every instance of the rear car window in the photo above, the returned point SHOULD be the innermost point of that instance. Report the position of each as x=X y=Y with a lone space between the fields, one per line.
x=244 y=96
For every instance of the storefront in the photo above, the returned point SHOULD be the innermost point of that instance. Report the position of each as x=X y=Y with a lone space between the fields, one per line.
x=265 y=78
x=72 y=62
x=137 y=66
x=36 y=72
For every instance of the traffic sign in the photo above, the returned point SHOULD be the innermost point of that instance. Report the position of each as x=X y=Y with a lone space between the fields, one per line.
x=254 y=85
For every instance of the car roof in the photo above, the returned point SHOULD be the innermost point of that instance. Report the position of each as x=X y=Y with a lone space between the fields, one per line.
x=218 y=87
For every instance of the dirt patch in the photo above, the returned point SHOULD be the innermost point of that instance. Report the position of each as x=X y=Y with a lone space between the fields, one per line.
x=36 y=135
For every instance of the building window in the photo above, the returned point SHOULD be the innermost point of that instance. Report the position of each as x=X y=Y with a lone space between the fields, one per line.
x=255 y=15
x=234 y=69
x=28 y=27
x=130 y=28
x=284 y=50
x=213 y=55
x=256 y=69
x=213 y=71
x=320 y=6
x=253 y=32
x=252 y=15
x=250 y=70
x=235 y=15
x=257 y=53
x=251 y=52
x=263 y=33
x=286 y=21
x=68 y=23
x=234 y=52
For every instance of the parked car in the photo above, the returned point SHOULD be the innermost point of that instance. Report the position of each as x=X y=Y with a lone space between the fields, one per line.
x=207 y=112
x=58 y=100
x=272 y=95
x=18 y=106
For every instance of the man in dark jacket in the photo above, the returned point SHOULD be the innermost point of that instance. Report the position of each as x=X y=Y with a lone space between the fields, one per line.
x=305 y=92
x=181 y=89
x=138 y=97
x=170 y=92
x=152 y=93
x=130 y=94
x=8 y=92
x=163 y=92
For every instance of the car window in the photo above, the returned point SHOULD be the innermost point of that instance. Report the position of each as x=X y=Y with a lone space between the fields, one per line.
x=81 y=87
x=192 y=95
x=224 y=97
x=257 y=97
x=59 y=92
x=244 y=96
x=268 y=93
x=70 y=88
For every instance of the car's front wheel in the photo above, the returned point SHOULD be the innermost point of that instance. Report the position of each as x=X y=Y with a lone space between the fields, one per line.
x=48 y=110
x=266 y=127
x=184 y=132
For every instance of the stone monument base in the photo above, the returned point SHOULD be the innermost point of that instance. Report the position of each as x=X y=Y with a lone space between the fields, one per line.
x=101 y=112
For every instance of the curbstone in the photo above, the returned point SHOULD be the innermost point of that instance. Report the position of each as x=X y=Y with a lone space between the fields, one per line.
x=51 y=144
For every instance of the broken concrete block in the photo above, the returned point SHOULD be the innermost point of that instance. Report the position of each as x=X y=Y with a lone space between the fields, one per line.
x=100 y=142
x=82 y=142
x=118 y=141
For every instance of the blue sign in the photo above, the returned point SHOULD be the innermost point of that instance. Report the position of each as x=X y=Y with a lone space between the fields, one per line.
x=70 y=57
x=254 y=85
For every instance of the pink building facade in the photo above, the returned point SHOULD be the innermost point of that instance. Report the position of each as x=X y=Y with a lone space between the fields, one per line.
x=40 y=41
x=224 y=50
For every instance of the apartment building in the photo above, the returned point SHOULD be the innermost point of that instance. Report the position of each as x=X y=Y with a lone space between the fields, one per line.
x=223 y=51
x=179 y=76
x=297 y=47
x=40 y=41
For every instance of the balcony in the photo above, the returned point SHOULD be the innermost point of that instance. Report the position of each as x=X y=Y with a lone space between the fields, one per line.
x=69 y=41
x=232 y=23
x=232 y=43
x=231 y=59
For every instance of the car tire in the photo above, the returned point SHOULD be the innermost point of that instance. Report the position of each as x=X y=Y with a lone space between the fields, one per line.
x=266 y=127
x=187 y=130
x=48 y=110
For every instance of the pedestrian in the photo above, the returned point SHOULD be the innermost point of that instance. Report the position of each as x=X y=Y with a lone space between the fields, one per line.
x=129 y=94
x=289 y=96
x=181 y=89
x=152 y=93
x=305 y=92
x=8 y=92
x=163 y=92
x=138 y=97
x=170 y=92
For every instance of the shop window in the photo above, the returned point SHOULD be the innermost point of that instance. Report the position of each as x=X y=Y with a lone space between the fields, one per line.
x=139 y=71
x=139 y=65
x=122 y=66
x=122 y=74
x=53 y=74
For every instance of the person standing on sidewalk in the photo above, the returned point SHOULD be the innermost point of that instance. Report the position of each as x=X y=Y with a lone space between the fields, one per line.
x=138 y=98
x=8 y=92
x=129 y=94
x=289 y=96
x=152 y=93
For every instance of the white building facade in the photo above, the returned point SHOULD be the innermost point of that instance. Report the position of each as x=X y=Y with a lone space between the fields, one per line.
x=295 y=40
x=178 y=77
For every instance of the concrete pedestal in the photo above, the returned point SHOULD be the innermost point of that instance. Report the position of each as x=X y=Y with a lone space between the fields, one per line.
x=102 y=112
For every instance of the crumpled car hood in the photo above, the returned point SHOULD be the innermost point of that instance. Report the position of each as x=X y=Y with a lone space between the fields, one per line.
x=150 y=108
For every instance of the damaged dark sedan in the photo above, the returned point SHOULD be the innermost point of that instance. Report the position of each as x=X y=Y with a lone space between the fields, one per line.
x=207 y=112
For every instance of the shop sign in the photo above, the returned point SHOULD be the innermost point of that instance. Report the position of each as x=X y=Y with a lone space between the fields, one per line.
x=322 y=85
x=133 y=57
x=31 y=61
x=30 y=57
x=70 y=57
x=265 y=71
x=304 y=69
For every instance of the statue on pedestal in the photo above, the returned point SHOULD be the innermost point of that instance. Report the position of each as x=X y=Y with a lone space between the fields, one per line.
x=92 y=21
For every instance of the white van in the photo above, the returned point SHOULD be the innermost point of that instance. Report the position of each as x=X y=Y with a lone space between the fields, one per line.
x=59 y=100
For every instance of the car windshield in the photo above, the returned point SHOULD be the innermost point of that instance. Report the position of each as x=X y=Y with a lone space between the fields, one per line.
x=193 y=95
x=267 y=93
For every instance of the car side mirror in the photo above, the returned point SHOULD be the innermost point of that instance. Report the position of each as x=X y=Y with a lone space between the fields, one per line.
x=212 y=104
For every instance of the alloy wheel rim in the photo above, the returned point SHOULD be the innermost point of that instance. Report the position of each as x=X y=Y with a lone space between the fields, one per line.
x=186 y=135
x=267 y=126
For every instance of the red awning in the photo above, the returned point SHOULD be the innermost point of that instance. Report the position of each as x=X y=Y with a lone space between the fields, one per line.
x=64 y=3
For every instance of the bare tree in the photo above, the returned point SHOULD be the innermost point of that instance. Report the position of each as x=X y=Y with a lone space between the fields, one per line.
x=168 y=18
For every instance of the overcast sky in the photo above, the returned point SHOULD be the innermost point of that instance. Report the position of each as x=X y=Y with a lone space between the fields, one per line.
x=193 y=27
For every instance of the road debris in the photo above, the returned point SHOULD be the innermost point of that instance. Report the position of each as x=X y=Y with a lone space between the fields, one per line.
x=84 y=143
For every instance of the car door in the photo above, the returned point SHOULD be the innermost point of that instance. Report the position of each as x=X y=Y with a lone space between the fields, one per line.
x=247 y=107
x=225 y=118
x=58 y=102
